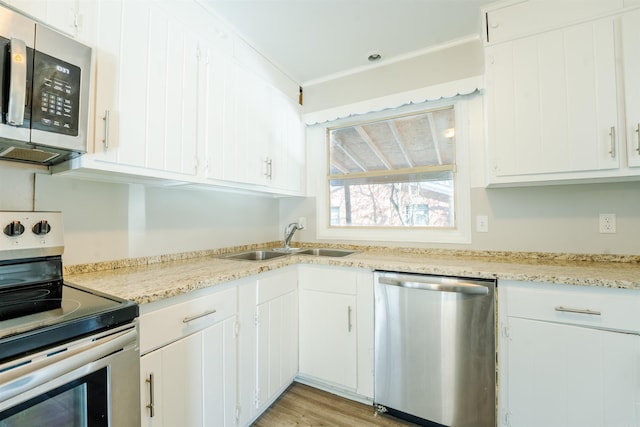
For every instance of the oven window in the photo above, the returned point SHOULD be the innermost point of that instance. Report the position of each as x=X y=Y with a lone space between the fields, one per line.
x=80 y=403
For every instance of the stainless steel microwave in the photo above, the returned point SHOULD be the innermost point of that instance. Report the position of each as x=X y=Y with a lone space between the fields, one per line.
x=44 y=92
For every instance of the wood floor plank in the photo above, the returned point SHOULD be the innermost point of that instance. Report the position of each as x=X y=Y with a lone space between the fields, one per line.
x=304 y=406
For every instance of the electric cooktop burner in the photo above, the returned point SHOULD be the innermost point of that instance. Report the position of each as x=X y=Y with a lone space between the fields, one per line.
x=81 y=312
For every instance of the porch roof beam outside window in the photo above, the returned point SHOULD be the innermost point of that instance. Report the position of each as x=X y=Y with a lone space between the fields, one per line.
x=398 y=139
x=374 y=148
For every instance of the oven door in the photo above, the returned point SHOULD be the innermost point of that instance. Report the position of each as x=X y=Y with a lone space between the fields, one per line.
x=88 y=383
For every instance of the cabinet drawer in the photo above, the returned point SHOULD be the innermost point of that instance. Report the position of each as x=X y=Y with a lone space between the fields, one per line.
x=329 y=279
x=168 y=324
x=617 y=309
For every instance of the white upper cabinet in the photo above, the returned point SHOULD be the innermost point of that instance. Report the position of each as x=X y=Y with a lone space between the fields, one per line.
x=552 y=102
x=562 y=103
x=180 y=97
x=631 y=58
x=152 y=119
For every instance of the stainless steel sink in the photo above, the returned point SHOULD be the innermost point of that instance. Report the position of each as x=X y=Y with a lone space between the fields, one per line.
x=255 y=255
x=326 y=252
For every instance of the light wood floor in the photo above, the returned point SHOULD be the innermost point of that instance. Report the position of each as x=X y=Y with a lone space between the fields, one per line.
x=302 y=405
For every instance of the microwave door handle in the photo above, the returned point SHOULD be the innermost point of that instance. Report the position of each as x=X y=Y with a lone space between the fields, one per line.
x=17 y=82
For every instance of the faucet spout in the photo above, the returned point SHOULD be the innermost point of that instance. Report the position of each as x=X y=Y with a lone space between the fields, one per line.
x=289 y=231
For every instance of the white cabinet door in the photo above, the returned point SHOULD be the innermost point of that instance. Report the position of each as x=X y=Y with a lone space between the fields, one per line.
x=219 y=371
x=631 y=58
x=552 y=103
x=328 y=337
x=158 y=87
x=277 y=346
x=268 y=340
x=286 y=149
x=277 y=334
x=107 y=71
x=177 y=384
x=569 y=376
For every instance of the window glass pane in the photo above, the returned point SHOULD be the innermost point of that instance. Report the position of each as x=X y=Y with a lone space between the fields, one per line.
x=428 y=202
x=397 y=172
x=424 y=139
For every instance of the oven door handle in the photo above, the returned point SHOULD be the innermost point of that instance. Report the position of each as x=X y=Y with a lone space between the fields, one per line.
x=40 y=371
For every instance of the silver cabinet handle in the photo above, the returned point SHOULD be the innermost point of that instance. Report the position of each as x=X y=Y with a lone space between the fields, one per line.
x=198 y=316
x=349 y=318
x=17 y=83
x=638 y=138
x=458 y=286
x=151 y=405
x=105 y=140
x=577 y=310
x=612 y=134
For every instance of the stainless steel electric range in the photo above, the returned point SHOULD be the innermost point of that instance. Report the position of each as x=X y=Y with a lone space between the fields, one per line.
x=68 y=355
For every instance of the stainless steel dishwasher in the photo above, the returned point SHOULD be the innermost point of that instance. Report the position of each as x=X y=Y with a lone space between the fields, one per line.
x=435 y=349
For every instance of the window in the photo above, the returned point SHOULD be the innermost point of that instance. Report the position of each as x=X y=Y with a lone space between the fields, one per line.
x=394 y=172
x=379 y=177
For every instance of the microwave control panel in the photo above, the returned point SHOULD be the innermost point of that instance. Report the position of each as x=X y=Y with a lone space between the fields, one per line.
x=56 y=95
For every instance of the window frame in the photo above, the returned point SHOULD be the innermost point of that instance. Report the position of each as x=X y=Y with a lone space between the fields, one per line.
x=461 y=233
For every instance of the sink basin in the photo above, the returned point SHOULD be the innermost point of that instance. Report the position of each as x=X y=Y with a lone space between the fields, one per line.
x=326 y=252
x=255 y=255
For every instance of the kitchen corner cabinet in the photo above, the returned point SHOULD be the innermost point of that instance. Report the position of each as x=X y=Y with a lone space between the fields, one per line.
x=336 y=328
x=252 y=132
x=268 y=340
x=188 y=366
x=568 y=356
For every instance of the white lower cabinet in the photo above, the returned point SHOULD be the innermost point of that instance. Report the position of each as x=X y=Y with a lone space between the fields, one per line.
x=336 y=328
x=221 y=357
x=191 y=380
x=268 y=340
x=568 y=356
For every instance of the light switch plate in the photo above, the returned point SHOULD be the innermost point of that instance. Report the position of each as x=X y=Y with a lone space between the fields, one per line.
x=482 y=224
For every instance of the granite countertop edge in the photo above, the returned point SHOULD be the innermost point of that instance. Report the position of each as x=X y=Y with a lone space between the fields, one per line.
x=149 y=279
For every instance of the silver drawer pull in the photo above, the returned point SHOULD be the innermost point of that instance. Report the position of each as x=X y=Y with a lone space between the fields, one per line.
x=578 y=310
x=198 y=316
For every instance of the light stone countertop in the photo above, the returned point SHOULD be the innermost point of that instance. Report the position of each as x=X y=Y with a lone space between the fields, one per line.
x=145 y=280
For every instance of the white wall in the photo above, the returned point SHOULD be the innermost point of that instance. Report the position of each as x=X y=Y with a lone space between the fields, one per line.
x=17 y=181
x=561 y=218
x=440 y=65
x=110 y=221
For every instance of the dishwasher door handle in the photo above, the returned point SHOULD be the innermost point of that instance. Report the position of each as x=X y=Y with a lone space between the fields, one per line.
x=460 y=287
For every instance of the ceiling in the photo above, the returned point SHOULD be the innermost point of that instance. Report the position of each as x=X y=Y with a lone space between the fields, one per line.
x=312 y=40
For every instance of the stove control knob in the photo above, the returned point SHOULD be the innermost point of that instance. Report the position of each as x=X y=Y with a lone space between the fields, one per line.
x=14 y=228
x=41 y=228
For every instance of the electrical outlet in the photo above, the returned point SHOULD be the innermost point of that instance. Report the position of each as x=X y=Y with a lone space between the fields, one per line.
x=608 y=223
x=482 y=224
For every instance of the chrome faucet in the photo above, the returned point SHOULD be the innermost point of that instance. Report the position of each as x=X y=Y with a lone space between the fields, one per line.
x=289 y=231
